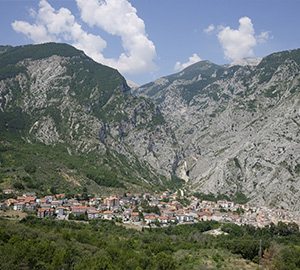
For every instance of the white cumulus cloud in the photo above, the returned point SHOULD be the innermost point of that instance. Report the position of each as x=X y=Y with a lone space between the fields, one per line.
x=239 y=43
x=192 y=60
x=116 y=17
x=209 y=29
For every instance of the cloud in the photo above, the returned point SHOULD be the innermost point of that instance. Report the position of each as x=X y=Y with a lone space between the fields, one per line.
x=239 y=43
x=263 y=37
x=116 y=17
x=37 y=33
x=192 y=60
x=209 y=29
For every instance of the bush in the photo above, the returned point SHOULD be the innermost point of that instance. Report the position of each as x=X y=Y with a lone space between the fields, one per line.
x=29 y=168
x=18 y=185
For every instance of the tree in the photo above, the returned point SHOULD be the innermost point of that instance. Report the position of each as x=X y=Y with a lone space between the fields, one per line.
x=53 y=190
x=18 y=185
x=269 y=255
x=165 y=261
x=29 y=168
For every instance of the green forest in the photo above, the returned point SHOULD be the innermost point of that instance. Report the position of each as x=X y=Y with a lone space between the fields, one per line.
x=34 y=243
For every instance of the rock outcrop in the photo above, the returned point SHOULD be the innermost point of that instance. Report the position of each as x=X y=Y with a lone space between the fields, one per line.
x=237 y=127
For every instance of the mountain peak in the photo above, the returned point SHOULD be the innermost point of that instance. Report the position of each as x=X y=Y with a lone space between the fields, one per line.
x=246 y=62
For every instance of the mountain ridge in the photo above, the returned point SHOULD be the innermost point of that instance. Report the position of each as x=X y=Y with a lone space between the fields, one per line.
x=225 y=119
x=224 y=130
x=55 y=95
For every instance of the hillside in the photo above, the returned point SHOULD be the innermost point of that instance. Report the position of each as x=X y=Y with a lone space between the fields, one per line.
x=69 y=124
x=74 y=121
x=237 y=127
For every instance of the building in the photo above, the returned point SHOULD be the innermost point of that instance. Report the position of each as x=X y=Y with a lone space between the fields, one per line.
x=93 y=214
x=135 y=217
x=77 y=210
x=163 y=220
x=9 y=191
x=150 y=219
x=45 y=212
x=60 y=211
x=108 y=215
x=112 y=202
x=94 y=202
x=31 y=206
x=20 y=206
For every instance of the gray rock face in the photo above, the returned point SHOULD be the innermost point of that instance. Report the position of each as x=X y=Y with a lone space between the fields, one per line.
x=86 y=107
x=237 y=127
x=223 y=129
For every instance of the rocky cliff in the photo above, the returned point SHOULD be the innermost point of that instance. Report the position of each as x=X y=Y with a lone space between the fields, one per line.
x=55 y=95
x=226 y=130
x=237 y=127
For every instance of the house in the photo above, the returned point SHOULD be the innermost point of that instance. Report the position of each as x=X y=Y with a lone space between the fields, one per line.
x=43 y=201
x=217 y=216
x=49 y=198
x=173 y=196
x=93 y=214
x=10 y=202
x=29 y=194
x=173 y=220
x=153 y=203
x=45 y=212
x=60 y=196
x=102 y=207
x=126 y=216
x=135 y=217
x=73 y=202
x=3 y=205
x=163 y=204
x=55 y=204
x=112 y=202
x=20 y=206
x=67 y=206
x=167 y=213
x=30 y=199
x=202 y=216
x=108 y=215
x=9 y=191
x=181 y=217
x=163 y=220
x=32 y=206
x=189 y=218
x=146 y=196
x=123 y=201
x=77 y=210
x=94 y=201
x=156 y=197
x=150 y=219
x=60 y=211
x=46 y=205
x=21 y=198
x=166 y=194
x=137 y=196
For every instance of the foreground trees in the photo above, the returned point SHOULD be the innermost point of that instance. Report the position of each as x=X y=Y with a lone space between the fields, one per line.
x=48 y=244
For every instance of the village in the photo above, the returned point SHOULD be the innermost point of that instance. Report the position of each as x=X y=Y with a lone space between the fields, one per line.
x=146 y=210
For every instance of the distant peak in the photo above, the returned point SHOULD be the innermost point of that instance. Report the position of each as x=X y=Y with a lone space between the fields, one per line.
x=246 y=62
x=131 y=84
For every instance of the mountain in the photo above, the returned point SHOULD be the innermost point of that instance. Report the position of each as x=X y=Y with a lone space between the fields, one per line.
x=246 y=62
x=69 y=124
x=237 y=127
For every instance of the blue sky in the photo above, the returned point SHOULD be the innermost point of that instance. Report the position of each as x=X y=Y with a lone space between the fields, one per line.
x=148 y=39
